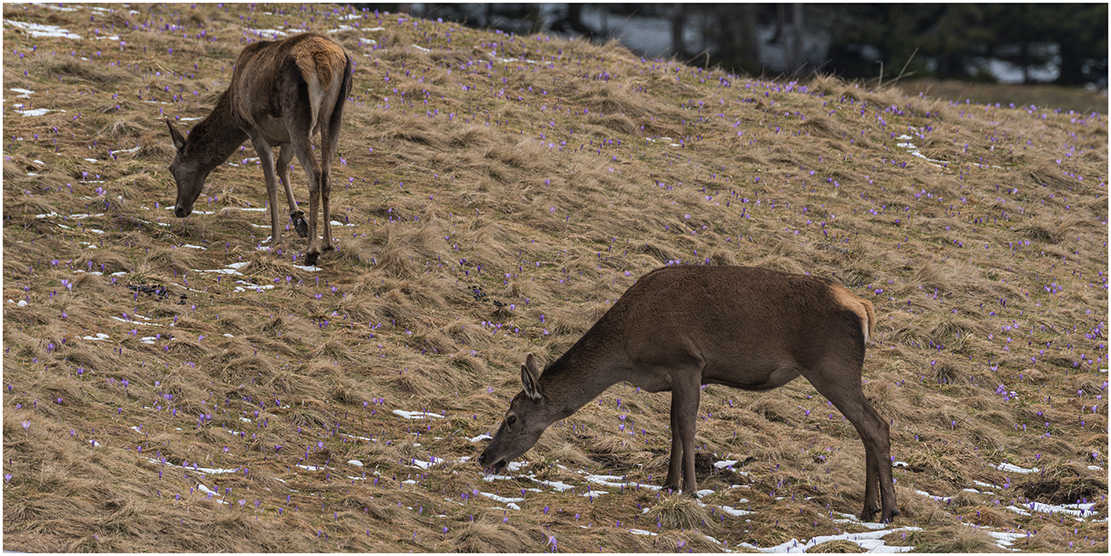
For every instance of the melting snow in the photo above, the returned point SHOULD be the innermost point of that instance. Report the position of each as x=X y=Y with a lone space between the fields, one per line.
x=618 y=482
x=415 y=414
x=210 y=492
x=425 y=464
x=871 y=541
x=733 y=511
x=265 y=33
x=39 y=30
x=1016 y=469
x=849 y=518
x=913 y=150
x=202 y=470
x=1075 y=510
x=510 y=502
x=1005 y=539
x=558 y=485
x=36 y=112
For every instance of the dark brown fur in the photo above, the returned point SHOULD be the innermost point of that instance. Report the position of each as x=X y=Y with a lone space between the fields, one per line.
x=681 y=327
x=281 y=94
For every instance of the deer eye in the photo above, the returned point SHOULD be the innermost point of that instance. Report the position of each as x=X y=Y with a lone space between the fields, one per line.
x=510 y=420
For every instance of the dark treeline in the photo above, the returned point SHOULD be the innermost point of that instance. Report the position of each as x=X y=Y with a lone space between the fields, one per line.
x=1064 y=44
x=951 y=38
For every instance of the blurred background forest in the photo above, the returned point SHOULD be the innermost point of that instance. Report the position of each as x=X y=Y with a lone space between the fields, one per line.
x=921 y=47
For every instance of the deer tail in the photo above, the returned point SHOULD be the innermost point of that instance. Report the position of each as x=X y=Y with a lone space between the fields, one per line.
x=862 y=307
x=869 y=322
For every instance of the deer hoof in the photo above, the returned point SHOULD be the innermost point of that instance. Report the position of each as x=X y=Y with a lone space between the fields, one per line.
x=310 y=259
x=300 y=224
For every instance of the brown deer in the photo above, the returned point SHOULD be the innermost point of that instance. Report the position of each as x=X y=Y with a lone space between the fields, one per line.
x=680 y=327
x=281 y=94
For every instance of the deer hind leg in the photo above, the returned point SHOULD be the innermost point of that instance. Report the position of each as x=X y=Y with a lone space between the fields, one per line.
x=329 y=139
x=326 y=187
x=881 y=469
x=285 y=154
x=684 y=414
x=302 y=147
x=846 y=394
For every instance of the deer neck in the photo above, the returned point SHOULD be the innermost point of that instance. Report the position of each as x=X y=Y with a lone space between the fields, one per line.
x=216 y=137
x=577 y=378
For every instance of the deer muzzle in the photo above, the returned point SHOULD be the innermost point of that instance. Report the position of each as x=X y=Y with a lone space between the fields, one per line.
x=489 y=465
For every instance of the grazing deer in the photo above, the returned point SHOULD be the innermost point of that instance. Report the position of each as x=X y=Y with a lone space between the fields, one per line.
x=680 y=327
x=281 y=94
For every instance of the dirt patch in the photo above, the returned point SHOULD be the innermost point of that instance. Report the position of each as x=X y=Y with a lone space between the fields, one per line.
x=1071 y=490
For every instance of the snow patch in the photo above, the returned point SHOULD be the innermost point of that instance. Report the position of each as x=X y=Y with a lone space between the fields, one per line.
x=871 y=541
x=1016 y=469
x=39 y=30
x=414 y=415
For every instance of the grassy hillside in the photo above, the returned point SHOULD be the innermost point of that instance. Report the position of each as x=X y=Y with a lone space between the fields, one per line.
x=172 y=385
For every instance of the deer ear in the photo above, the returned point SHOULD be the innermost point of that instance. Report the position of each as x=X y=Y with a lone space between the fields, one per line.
x=178 y=138
x=530 y=379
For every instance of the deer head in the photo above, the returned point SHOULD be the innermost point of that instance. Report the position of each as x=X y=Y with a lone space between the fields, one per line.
x=188 y=173
x=529 y=415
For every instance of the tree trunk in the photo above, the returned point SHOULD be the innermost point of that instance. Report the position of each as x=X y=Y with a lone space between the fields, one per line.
x=678 y=23
x=797 y=58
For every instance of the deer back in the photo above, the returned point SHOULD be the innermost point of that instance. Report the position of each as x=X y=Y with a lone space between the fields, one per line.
x=300 y=78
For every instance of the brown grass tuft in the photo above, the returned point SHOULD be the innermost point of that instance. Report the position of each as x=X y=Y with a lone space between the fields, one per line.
x=484 y=535
x=679 y=511
x=836 y=547
x=957 y=538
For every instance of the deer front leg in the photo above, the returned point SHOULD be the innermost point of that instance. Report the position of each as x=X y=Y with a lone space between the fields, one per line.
x=675 y=461
x=266 y=159
x=684 y=412
x=296 y=215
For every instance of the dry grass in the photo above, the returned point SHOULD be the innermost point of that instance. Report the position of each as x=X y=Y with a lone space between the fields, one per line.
x=496 y=194
x=1067 y=98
